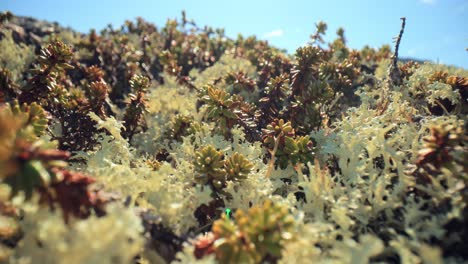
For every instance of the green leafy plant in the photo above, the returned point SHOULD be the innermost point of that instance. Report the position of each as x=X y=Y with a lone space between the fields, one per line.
x=331 y=154
x=209 y=166
x=97 y=90
x=220 y=107
x=445 y=147
x=181 y=126
x=213 y=168
x=237 y=167
x=255 y=236
x=30 y=165
x=280 y=139
x=34 y=115
x=134 y=114
x=45 y=87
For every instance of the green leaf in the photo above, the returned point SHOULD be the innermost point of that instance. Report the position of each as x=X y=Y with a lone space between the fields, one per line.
x=31 y=176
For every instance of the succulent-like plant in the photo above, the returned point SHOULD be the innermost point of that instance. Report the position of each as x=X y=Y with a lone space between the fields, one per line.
x=30 y=165
x=209 y=166
x=408 y=69
x=277 y=88
x=80 y=131
x=240 y=81
x=315 y=82
x=298 y=150
x=228 y=110
x=172 y=68
x=70 y=190
x=460 y=84
x=213 y=169
x=220 y=107
x=256 y=235
x=444 y=147
x=34 y=115
x=181 y=126
x=308 y=60
x=280 y=139
x=97 y=92
x=273 y=101
x=237 y=167
x=438 y=76
x=44 y=87
x=277 y=129
x=134 y=114
x=321 y=28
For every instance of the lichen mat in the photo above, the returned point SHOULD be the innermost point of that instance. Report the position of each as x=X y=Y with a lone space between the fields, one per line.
x=147 y=144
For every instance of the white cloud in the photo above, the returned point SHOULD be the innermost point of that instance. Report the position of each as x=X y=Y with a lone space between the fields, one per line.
x=273 y=34
x=428 y=2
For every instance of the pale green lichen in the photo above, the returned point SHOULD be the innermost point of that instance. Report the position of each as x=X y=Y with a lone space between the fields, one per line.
x=351 y=185
x=16 y=58
x=49 y=241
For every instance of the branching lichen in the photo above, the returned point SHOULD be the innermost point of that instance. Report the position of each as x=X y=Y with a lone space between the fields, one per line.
x=129 y=145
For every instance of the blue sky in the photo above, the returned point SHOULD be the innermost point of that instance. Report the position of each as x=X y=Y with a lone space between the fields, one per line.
x=436 y=29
